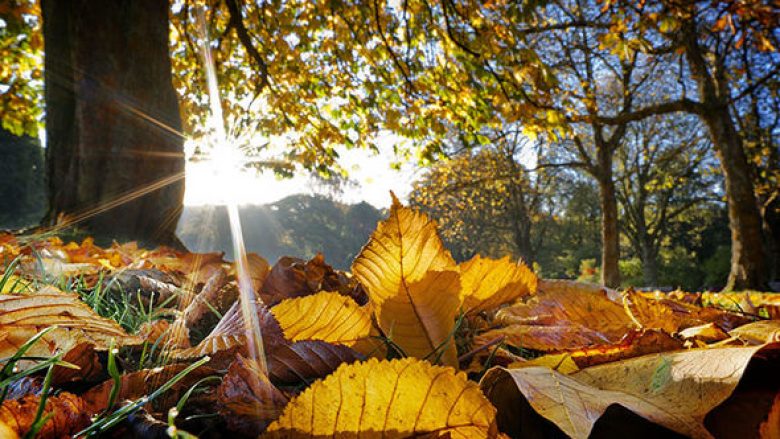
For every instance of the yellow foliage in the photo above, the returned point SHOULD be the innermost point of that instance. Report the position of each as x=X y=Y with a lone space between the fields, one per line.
x=412 y=282
x=389 y=399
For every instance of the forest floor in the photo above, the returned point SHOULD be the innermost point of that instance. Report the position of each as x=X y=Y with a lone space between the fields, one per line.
x=123 y=341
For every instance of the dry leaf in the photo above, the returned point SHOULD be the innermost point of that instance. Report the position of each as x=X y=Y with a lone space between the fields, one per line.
x=139 y=384
x=326 y=316
x=84 y=356
x=247 y=399
x=675 y=390
x=306 y=360
x=68 y=412
x=230 y=333
x=392 y=399
x=763 y=331
x=287 y=362
x=770 y=429
x=21 y=317
x=410 y=279
x=487 y=283
x=563 y=303
x=707 y=333
x=545 y=338
x=294 y=277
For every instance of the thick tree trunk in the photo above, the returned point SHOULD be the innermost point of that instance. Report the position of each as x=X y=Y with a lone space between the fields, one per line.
x=610 y=244
x=115 y=158
x=748 y=264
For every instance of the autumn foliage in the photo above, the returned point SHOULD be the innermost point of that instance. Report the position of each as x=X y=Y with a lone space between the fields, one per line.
x=410 y=343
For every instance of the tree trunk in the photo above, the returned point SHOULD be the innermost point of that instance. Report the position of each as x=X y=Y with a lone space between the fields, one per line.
x=649 y=257
x=610 y=244
x=748 y=265
x=114 y=152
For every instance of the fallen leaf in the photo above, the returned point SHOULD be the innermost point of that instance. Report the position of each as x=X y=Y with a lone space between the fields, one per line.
x=394 y=399
x=770 y=429
x=293 y=277
x=487 y=283
x=707 y=333
x=306 y=360
x=563 y=303
x=139 y=384
x=68 y=413
x=89 y=369
x=675 y=390
x=231 y=332
x=412 y=283
x=545 y=338
x=287 y=362
x=326 y=316
x=762 y=331
x=247 y=399
x=21 y=317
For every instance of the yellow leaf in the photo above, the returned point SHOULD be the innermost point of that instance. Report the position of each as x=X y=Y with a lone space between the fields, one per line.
x=394 y=399
x=488 y=283
x=412 y=283
x=21 y=317
x=325 y=316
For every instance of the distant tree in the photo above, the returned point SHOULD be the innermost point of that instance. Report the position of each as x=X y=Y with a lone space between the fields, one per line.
x=702 y=42
x=485 y=200
x=664 y=170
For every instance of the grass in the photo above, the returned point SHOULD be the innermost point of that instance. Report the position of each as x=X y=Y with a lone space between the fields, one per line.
x=109 y=301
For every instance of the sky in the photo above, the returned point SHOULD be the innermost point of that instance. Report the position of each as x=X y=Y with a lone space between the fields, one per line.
x=371 y=172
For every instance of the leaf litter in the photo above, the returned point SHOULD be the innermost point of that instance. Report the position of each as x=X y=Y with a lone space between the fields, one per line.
x=409 y=343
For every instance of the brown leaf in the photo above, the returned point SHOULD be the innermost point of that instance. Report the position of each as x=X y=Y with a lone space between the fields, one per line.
x=247 y=399
x=165 y=334
x=258 y=269
x=307 y=360
x=139 y=384
x=294 y=277
x=770 y=429
x=230 y=333
x=675 y=390
x=84 y=356
x=69 y=415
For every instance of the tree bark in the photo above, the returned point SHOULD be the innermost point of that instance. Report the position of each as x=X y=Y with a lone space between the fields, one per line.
x=114 y=150
x=649 y=257
x=610 y=244
x=748 y=264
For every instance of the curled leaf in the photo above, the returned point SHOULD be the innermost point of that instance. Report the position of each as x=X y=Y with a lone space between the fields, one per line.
x=675 y=390
x=247 y=399
x=68 y=415
x=21 y=317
